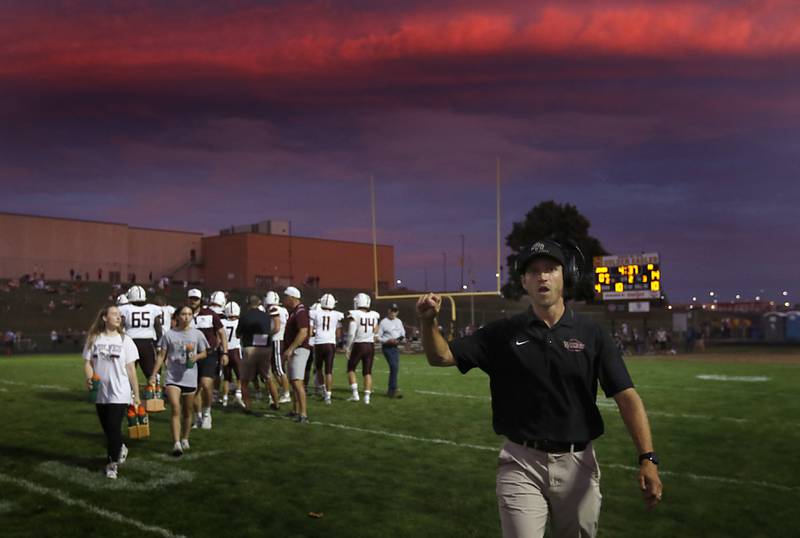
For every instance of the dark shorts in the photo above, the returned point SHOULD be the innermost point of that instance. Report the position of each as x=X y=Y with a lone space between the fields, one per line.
x=324 y=354
x=209 y=367
x=234 y=359
x=147 y=355
x=184 y=390
x=363 y=352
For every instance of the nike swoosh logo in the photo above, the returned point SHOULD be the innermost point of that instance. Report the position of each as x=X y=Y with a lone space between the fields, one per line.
x=523 y=342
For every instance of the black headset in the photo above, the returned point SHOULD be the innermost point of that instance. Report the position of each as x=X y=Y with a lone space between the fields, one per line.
x=573 y=263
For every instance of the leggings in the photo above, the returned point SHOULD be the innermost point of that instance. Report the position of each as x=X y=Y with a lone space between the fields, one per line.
x=111 y=416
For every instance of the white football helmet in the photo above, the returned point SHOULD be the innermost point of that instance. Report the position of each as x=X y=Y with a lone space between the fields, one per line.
x=232 y=310
x=272 y=298
x=136 y=294
x=314 y=306
x=362 y=300
x=218 y=299
x=327 y=301
x=122 y=299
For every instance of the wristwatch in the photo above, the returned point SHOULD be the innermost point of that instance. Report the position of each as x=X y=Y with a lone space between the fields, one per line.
x=650 y=456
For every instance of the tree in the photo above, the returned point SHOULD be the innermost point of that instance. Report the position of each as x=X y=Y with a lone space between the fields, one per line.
x=561 y=223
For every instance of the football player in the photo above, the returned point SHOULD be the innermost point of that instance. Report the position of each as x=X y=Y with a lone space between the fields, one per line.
x=142 y=322
x=208 y=322
x=230 y=322
x=273 y=302
x=318 y=386
x=362 y=330
x=325 y=326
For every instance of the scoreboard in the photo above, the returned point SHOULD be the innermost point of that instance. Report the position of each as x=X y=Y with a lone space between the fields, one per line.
x=627 y=277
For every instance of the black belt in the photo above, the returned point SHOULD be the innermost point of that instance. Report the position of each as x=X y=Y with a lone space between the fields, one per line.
x=554 y=447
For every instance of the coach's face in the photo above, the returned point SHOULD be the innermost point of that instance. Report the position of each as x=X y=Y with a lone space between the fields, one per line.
x=544 y=282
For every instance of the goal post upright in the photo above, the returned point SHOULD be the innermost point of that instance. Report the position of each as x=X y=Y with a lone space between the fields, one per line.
x=448 y=295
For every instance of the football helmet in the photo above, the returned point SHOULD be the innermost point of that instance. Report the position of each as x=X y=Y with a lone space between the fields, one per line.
x=136 y=294
x=122 y=299
x=327 y=301
x=272 y=298
x=232 y=310
x=218 y=299
x=362 y=300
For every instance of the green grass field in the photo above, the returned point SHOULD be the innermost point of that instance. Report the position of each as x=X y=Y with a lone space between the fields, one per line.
x=420 y=466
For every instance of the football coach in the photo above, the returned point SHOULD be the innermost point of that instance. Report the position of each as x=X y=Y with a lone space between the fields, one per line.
x=544 y=366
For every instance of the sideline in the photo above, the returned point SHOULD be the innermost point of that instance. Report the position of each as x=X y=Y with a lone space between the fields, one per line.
x=102 y=512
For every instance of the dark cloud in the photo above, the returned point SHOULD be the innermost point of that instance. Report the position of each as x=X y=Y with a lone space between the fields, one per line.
x=671 y=125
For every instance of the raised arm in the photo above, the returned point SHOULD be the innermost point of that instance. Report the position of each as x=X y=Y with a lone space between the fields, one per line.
x=436 y=349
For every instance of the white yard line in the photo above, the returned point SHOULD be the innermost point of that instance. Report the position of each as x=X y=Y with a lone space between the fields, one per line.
x=156 y=475
x=740 y=378
x=610 y=405
x=71 y=501
x=496 y=449
x=708 y=478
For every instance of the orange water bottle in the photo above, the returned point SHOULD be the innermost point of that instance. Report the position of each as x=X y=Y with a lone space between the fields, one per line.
x=142 y=419
x=189 y=356
x=95 y=388
x=132 y=420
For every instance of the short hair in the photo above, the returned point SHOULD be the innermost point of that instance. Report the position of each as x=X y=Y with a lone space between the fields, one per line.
x=253 y=301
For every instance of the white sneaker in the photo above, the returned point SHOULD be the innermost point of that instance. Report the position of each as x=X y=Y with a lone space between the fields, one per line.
x=353 y=398
x=177 y=450
x=239 y=401
x=285 y=398
x=185 y=444
x=225 y=401
x=198 y=421
x=111 y=471
x=328 y=401
x=123 y=454
x=206 y=422
x=366 y=400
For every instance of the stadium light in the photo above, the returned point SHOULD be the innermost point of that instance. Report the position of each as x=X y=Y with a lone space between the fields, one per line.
x=670 y=307
x=694 y=299
x=786 y=304
x=785 y=293
x=464 y=287
x=738 y=296
x=758 y=297
x=497 y=275
x=399 y=282
x=710 y=293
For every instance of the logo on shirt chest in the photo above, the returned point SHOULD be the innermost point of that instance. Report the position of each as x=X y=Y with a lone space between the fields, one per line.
x=574 y=345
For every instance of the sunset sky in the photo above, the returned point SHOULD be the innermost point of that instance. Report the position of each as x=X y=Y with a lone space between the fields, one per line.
x=674 y=126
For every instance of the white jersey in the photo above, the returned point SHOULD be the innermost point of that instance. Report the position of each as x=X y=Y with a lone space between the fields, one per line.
x=110 y=356
x=230 y=329
x=167 y=313
x=140 y=321
x=283 y=314
x=366 y=324
x=324 y=324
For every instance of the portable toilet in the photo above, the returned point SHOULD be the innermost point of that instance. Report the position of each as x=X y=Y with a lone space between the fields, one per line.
x=793 y=326
x=775 y=327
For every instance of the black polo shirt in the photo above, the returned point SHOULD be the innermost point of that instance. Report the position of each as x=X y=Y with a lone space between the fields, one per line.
x=254 y=323
x=544 y=380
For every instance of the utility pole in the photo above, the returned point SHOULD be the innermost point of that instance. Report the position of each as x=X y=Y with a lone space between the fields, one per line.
x=462 y=263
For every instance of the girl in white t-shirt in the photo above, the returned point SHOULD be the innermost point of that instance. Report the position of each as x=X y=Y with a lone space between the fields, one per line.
x=111 y=356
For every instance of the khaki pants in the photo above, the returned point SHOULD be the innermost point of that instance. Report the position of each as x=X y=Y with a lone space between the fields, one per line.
x=532 y=485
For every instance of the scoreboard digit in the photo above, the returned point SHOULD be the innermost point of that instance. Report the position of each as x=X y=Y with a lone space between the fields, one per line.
x=627 y=277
